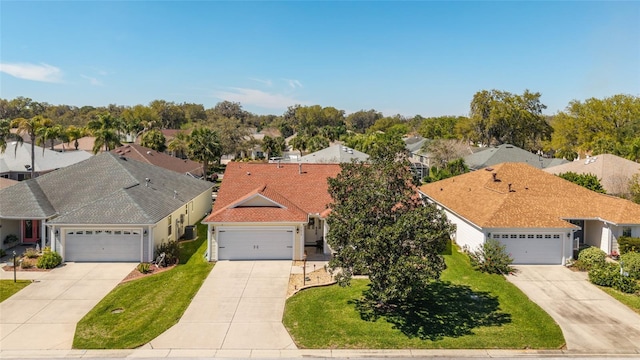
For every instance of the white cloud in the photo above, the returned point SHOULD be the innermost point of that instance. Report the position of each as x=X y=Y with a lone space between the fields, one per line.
x=262 y=81
x=293 y=83
x=42 y=72
x=257 y=98
x=93 y=81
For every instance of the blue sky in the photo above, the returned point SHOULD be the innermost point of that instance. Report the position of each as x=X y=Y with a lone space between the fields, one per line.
x=408 y=58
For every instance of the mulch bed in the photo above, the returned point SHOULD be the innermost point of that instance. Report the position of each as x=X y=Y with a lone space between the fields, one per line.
x=135 y=274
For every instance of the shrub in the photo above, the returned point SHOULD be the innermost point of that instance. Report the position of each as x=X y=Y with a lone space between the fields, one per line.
x=628 y=244
x=2 y=253
x=49 y=259
x=30 y=253
x=171 y=252
x=144 y=268
x=631 y=264
x=580 y=265
x=27 y=263
x=609 y=275
x=11 y=238
x=492 y=258
x=592 y=257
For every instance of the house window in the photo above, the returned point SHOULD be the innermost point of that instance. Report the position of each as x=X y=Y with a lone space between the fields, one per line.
x=522 y=236
x=88 y=232
x=626 y=231
x=514 y=236
x=556 y=236
x=547 y=236
x=538 y=236
x=530 y=236
x=169 y=227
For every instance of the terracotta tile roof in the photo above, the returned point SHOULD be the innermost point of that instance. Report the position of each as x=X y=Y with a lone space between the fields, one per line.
x=299 y=194
x=536 y=200
x=141 y=153
x=4 y=182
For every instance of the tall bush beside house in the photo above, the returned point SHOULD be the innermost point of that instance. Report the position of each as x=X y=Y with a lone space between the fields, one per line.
x=591 y=257
x=171 y=252
x=492 y=257
x=49 y=259
x=608 y=275
x=631 y=264
x=628 y=244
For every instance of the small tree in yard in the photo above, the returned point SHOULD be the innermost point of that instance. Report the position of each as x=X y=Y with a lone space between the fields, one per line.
x=381 y=227
x=492 y=257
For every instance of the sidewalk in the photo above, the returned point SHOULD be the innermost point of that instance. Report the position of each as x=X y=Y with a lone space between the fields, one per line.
x=307 y=353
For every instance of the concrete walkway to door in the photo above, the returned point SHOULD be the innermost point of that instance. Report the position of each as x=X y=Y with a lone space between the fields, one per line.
x=239 y=306
x=43 y=315
x=589 y=318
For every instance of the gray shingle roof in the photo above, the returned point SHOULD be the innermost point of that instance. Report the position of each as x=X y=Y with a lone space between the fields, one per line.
x=334 y=155
x=507 y=153
x=25 y=200
x=107 y=189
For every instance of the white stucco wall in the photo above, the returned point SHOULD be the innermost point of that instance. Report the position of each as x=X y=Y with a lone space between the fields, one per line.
x=8 y=227
x=466 y=234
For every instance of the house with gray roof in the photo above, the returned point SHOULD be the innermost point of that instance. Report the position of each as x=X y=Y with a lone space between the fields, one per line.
x=334 y=154
x=613 y=171
x=508 y=153
x=106 y=208
x=15 y=162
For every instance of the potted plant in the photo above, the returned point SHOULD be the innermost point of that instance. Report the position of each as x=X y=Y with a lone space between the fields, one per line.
x=614 y=255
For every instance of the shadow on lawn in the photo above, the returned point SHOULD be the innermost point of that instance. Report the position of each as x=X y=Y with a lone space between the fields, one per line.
x=441 y=310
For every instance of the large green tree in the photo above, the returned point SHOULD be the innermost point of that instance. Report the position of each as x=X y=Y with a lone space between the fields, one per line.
x=7 y=136
x=500 y=117
x=204 y=147
x=360 y=121
x=379 y=226
x=154 y=139
x=105 y=130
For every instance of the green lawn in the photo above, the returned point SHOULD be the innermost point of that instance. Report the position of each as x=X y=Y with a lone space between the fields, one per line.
x=631 y=300
x=466 y=310
x=8 y=288
x=150 y=305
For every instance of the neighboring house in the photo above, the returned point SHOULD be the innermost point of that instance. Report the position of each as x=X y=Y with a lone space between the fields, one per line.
x=508 y=153
x=150 y=156
x=335 y=154
x=541 y=218
x=270 y=211
x=613 y=171
x=420 y=160
x=4 y=182
x=106 y=208
x=15 y=163
x=85 y=143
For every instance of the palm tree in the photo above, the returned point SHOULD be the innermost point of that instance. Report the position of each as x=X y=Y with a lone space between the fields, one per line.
x=204 y=147
x=105 y=130
x=299 y=143
x=73 y=134
x=30 y=127
x=153 y=139
x=50 y=132
x=179 y=144
x=6 y=135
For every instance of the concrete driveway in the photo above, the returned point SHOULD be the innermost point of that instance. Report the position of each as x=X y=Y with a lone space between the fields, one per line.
x=239 y=306
x=43 y=315
x=589 y=318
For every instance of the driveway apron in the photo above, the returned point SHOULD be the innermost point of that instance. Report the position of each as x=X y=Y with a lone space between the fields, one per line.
x=589 y=318
x=239 y=306
x=43 y=315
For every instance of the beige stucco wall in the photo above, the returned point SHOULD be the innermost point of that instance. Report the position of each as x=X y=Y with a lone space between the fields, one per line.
x=8 y=227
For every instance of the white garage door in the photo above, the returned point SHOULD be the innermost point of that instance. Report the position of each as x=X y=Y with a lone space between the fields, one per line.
x=103 y=245
x=263 y=244
x=539 y=249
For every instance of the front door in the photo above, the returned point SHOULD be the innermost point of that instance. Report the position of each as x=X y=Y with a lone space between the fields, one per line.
x=30 y=231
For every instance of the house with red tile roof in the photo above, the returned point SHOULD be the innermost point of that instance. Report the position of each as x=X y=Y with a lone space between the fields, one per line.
x=153 y=157
x=270 y=211
x=540 y=217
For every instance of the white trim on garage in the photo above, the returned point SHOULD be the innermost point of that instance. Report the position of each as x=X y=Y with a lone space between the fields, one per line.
x=254 y=243
x=105 y=244
x=533 y=248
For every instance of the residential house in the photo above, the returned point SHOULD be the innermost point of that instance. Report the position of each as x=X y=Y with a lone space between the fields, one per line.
x=15 y=162
x=613 y=171
x=270 y=211
x=106 y=208
x=508 y=153
x=541 y=218
x=335 y=154
x=150 y=156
